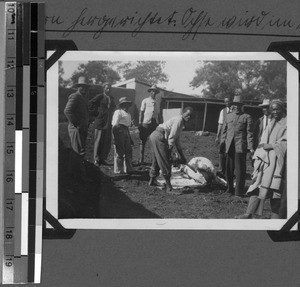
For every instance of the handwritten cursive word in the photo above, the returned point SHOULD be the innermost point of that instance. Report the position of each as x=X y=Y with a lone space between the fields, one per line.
x=104 y=22
x=188 y=22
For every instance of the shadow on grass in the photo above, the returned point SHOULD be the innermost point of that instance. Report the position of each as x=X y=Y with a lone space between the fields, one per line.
x=94 y=197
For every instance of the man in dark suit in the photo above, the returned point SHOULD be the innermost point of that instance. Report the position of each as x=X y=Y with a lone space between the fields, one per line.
x=105 y=105
x=222 y=155
x=261 y=123
x=238 y=138
x=76 y=111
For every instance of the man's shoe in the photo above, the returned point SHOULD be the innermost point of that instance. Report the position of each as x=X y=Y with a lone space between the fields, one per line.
x=153 y=182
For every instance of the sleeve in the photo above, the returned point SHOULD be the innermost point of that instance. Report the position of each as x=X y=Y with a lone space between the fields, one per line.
x=221 y=117
x=93 y=105
x=116 y=118
x=70 y=108
x=143 y=106
x=224 y=131
x=175 y=131
x=280 y=147
x=255 y=134
x=249 y=132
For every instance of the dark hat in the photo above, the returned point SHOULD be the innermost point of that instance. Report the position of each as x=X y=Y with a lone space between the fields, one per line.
x=124 y=100
x=153 y=88
x=237 y=100
x=81 y=83
x=265 y=103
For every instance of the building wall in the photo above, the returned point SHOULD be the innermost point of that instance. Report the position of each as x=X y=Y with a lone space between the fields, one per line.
x=212 y=114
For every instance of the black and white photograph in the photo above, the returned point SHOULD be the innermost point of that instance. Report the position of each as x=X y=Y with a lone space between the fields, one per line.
x=172 y=140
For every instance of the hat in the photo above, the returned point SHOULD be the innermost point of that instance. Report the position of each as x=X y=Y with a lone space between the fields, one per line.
x=153 y=88
x=124 y=100
x=81 y=83
x=237 y=100
x=266 y=102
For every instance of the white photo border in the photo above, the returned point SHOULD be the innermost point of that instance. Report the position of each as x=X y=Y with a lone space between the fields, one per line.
x=170 y=224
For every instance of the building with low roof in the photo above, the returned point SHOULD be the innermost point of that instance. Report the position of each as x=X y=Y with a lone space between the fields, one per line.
x=206 y=110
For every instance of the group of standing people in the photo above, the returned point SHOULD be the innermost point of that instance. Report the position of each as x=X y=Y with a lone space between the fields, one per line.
x=267 y=143
x=237 y=135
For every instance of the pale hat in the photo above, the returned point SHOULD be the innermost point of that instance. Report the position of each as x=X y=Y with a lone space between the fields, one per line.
x=153 y=88
x=237 y=100
x=124 y=100
x=81 y=83
x=265 y=103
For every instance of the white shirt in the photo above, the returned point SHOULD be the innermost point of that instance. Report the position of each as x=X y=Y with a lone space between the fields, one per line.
x=266 y=121
x=173 y=128
x=121 y=117
x=221 y=117
x=149 y=107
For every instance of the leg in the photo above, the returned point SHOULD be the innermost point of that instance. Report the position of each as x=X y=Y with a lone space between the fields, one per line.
x=240 y=172
x=222 y=159
x=105 y=144
x=275 y=207
x=230 y=168
x=154 y=171
x=253 y=204
x=128 y=152
x=119 y=150
x=143 y=139
x=98 y=134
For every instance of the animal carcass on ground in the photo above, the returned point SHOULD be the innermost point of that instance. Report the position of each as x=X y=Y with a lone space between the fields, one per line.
x=202 y=171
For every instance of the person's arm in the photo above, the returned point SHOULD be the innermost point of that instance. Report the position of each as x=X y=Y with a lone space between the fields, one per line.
x=250 y=134
x=70 y=108
x=93 y=105
x=141 y=119
x=174 y=138
x=116 y=118
x=220 y=125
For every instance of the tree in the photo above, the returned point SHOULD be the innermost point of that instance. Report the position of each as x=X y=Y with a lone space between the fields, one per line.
x=61 y=72
x=96 y=72
x=150 y=72
x=253 y=80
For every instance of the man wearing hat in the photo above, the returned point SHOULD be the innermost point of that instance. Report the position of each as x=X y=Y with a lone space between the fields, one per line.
x=222 y=155
x=148 y=120
x=76 y=111
x=104 y=105
x=261 y=124
x=238 y=138
x=121 y=122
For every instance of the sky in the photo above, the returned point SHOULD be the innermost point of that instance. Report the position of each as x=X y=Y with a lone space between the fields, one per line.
x=179 y=75
x=180 y=66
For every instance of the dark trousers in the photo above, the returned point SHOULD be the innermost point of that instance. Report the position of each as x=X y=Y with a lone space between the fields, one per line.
x=123 y=149
x=102 y=144
x=160 y=154
x=222 y=158
x=236 y=164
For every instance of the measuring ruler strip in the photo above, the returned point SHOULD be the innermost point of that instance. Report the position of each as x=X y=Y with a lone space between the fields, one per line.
x=33 y=142
x=40 y=154
x=23 y=125
x=10 y=144
x=20 y=262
